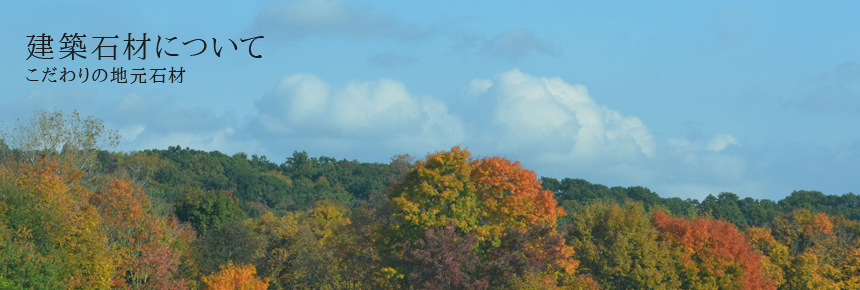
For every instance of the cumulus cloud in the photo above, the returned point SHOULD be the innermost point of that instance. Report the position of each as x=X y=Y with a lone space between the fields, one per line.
x=552 y=126
x=380 y=114
x=555 y=120
x=296 y=19
x=558 y=129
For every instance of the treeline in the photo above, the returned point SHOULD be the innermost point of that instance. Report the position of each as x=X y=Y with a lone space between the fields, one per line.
x=727 y=206
x=295 y=184
x=259 y=184
x=74 y=216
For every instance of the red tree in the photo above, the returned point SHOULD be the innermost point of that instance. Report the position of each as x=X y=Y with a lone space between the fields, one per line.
x=712 y=253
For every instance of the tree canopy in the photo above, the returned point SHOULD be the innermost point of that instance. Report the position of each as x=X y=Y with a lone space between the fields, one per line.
x=76 y=216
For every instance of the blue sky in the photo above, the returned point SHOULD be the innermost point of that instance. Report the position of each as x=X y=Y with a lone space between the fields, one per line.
x=685 y=98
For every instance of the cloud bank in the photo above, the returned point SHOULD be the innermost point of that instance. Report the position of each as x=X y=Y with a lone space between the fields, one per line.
x=552 y=126
x=359 y=115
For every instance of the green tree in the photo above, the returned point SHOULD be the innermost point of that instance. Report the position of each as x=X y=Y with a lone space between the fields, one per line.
x=207 y=210
x=619 y=248
x=724 y=207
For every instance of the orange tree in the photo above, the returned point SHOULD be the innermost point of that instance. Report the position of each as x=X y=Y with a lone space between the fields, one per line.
x=52 y=229
x=235 y=277
x=712 y=254
x=500 y=204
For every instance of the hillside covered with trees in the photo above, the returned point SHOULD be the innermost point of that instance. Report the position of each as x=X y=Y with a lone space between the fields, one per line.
x=76 y=215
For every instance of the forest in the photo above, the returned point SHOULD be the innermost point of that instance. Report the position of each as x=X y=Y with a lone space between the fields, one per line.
x=76 y=215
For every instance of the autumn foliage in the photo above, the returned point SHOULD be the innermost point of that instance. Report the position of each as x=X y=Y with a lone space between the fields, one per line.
x=103 y=238
x=451 y=202
x=511 y=197
x=712 y=254
x=484 y=196
x=188 y=219
x=233 y=277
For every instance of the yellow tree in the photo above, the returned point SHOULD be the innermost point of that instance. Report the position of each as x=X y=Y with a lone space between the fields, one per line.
x=496 y=200
x=47 y=206
x=437 y=192
x=823 y=251
x=847 y=251
x=776 y=254
x=811 y=241
x=278 y=234
x=484 y=196
x=146 y=247
x=619 y=247
x=235 y=277
x=319 y=248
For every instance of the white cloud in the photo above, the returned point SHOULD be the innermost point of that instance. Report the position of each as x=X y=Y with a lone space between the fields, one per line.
x=363 y=113
x=558 y=129
x=557 y=121
x=553 y=127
